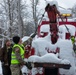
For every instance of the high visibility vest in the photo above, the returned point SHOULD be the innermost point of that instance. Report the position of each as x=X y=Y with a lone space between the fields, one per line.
x=13 y=56
x=73 y=40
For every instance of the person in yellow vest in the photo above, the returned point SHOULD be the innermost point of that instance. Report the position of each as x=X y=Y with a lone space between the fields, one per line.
x=73 y=39
x=17 y=57
x=74 y=47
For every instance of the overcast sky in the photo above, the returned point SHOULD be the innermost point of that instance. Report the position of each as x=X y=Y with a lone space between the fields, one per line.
x=66 y=3
x=63 y=3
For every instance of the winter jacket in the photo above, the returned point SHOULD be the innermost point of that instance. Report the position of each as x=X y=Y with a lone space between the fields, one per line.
x=5 y=55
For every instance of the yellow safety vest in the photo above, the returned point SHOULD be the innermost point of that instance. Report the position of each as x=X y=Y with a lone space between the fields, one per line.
x=73 y=40
x=13 y=56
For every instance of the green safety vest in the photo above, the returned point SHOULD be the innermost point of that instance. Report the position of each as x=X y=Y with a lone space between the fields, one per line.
x=73 y=40
x=13 y=56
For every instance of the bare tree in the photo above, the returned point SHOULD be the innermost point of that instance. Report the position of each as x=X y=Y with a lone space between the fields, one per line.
x=20 y=20
x=10 y=16
x=13 y=10
x=34 y=8
x=74 y=10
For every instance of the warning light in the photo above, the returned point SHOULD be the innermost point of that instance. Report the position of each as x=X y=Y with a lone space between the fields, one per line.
x=66 y=15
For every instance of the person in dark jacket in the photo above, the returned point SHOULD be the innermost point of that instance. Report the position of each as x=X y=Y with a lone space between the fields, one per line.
x=5 y=57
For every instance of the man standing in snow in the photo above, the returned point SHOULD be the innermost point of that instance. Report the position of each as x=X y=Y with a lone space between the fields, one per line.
x=5 y=57
x=17 y=57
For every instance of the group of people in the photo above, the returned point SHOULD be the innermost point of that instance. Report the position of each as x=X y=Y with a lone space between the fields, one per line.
x=12 y=57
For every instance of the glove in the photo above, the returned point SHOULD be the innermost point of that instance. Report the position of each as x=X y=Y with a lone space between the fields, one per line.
x=28 y=65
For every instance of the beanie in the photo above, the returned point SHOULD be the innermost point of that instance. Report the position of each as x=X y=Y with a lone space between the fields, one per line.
x=16 y=39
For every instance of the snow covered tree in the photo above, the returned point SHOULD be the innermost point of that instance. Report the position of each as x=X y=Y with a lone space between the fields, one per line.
x=35 y=11
x=13 y=14
x=74 y=10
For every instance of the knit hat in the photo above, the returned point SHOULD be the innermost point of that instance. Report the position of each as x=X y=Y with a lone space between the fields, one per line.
x=16 y=39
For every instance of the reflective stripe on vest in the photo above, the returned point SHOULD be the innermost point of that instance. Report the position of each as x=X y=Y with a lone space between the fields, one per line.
x=13 y=56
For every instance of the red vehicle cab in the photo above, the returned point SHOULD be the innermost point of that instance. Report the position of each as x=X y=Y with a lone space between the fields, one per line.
x=66 y=23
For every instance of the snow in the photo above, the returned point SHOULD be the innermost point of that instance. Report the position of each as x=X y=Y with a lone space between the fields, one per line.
x=64 y=11
x=66 y=52
x=52 y=58
x=0 y=69
x=44 y=58
x=63 y=29
x=24 y=70
x=45 y=28
x=53 y=2
x=34 y=58
x=43 y=47
x=65 y=61
x=25 y=38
